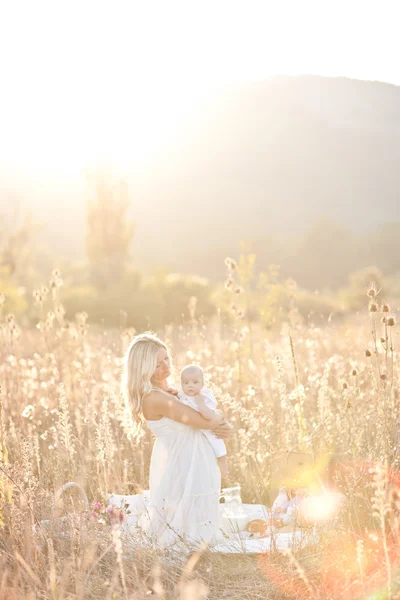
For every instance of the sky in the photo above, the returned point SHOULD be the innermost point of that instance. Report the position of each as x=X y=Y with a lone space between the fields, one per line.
x=85 y=80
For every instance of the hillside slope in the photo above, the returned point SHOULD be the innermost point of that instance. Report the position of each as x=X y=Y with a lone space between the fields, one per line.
x=258 y=159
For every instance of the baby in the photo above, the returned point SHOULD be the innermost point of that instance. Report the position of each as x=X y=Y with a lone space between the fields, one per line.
x=202 y=399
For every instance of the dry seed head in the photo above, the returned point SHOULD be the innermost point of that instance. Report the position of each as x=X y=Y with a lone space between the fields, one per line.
x=15 y=331
x=291 y=284
x=82 y=329
x=368 y=353
x=383 y=377
x=372 y=291
x=49 y=321
x=373 y=307
x=391 y=322
x=81 y=317
x=385 y=308
x=354 y=373
x=40 y=325
x=382 y=340
x=129 y=332
x=230 y=263
x=345 y=386
x=384 y=320
x=55 y=283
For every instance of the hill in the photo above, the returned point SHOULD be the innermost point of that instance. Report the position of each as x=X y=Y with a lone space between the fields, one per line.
x=257 y=160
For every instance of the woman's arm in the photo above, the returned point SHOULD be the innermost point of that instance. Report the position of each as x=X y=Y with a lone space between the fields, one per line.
x=158 y=404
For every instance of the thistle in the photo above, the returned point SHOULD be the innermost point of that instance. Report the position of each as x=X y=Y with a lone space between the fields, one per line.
x=230 y=263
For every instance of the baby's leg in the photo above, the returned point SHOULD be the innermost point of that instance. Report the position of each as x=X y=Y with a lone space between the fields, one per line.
x=223 y=466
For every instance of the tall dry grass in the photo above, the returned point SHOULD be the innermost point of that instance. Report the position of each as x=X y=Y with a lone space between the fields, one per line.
x=330 y=391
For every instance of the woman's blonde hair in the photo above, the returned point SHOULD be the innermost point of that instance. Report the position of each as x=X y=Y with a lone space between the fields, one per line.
x=140 y=362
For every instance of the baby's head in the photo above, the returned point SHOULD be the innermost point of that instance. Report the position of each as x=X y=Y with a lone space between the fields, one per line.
x=192 y=380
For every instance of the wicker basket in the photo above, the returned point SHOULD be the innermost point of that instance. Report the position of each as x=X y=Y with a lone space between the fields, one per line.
x=72 y=526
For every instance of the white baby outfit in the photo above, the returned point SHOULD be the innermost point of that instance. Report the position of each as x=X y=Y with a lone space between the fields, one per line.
x=209 y=400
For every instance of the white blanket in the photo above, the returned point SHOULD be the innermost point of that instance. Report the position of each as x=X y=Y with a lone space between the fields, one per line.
x=240 y=542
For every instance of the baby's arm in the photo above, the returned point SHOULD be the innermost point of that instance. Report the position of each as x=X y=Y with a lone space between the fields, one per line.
x=204 y=410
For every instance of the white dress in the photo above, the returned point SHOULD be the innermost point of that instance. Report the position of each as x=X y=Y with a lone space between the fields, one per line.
x=184 y=487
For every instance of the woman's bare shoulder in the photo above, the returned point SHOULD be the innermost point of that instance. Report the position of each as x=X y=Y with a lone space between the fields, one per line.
x=155 y=394
x=152 y=401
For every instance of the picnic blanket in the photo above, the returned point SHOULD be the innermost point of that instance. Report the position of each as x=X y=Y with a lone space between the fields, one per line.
x=242 y=542
x=234 y=540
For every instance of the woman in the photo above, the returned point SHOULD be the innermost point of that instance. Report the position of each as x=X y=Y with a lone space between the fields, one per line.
x=184 y=475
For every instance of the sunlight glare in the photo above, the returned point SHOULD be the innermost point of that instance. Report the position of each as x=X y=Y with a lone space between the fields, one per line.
x=321 y=507
x=120 y=79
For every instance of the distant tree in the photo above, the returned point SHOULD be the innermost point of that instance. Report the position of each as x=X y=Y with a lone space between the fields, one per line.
x=109 y=231
x=17 y=247
x=383 y=248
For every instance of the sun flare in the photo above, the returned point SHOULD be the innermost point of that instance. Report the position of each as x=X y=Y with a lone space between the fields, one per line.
x=85 y=81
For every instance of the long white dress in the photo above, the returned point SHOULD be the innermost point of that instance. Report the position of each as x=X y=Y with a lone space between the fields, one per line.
x=184 y=487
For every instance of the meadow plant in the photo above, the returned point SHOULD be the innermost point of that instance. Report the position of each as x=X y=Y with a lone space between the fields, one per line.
x=328 y=389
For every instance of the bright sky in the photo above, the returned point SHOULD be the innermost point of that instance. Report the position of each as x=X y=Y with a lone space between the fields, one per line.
x=81 y=79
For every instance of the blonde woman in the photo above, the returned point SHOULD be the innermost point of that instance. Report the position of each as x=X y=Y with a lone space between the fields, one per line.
x=184 y=476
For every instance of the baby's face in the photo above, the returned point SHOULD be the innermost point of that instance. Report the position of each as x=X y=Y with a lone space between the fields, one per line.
x=192 y=382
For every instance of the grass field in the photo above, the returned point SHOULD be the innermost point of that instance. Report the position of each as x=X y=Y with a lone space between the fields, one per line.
x=326 y=390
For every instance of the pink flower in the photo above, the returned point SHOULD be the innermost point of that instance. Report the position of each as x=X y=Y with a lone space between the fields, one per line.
x=97 y=505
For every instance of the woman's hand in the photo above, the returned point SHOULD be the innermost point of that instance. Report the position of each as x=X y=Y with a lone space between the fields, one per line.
x=223 y=431
x=172 y=390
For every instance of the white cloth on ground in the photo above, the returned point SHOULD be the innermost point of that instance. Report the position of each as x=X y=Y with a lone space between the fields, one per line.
x=209 y=400
x=184 y=490
x=236 y=543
